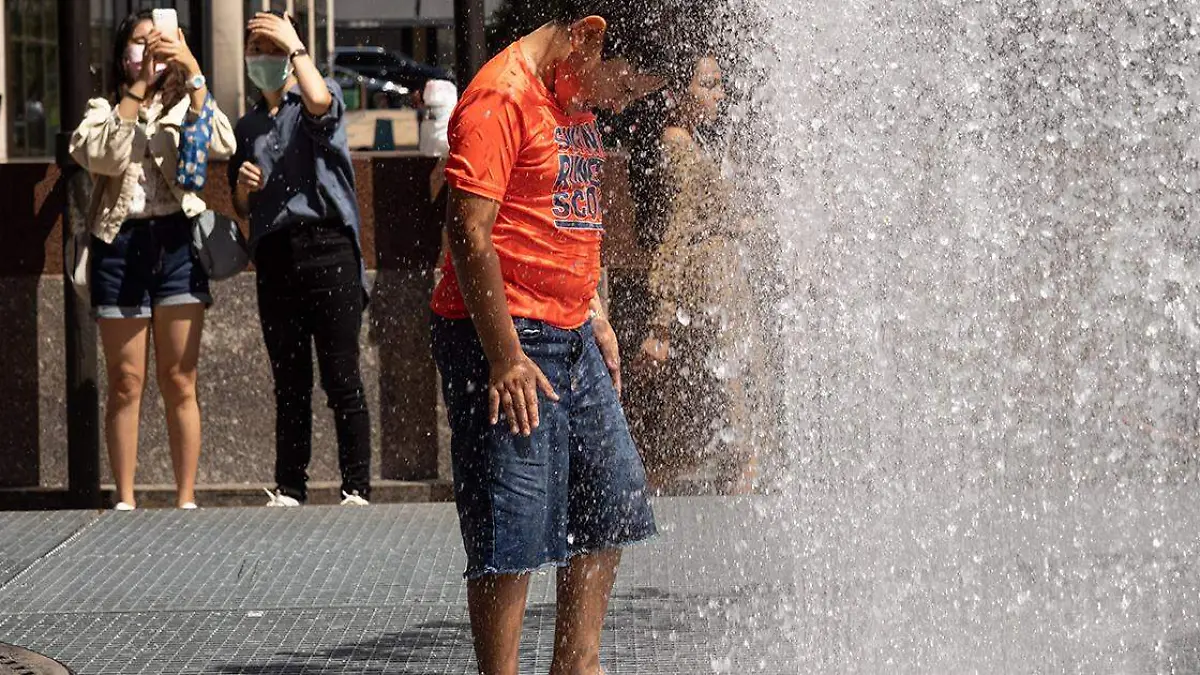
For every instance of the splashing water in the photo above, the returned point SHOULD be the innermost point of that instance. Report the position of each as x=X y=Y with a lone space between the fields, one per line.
x=986 y=213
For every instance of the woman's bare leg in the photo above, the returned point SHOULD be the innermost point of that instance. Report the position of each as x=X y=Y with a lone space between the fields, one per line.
x=126 y=343
x=177 y=330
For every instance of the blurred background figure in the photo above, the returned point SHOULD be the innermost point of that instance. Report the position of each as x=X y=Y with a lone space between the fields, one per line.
x=699 y=369
x=436 y=103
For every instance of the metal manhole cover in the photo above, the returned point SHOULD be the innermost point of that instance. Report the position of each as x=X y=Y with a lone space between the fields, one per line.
x=18 y=661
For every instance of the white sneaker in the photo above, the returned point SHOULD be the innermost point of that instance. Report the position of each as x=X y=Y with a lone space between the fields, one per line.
x=123 y=506
x=354 y=500
x=189 y=506
x=280 y=499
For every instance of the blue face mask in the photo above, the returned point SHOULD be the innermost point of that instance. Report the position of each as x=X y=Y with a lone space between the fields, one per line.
x=268 y=73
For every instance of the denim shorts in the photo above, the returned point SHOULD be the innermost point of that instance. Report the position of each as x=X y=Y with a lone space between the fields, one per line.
x=149 y=264
x=577 y=485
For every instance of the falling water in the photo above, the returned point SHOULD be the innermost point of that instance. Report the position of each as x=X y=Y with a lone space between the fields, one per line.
x=986 y=213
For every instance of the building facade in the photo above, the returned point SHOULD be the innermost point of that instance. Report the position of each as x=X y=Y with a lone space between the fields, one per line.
x=29 y=51
x=421 y=29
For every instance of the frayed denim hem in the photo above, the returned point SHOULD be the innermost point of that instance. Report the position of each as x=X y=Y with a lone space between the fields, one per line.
x=489 y=571
x=645 y=538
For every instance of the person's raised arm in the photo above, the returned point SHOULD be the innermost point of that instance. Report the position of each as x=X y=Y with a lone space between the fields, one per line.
x=174 y=50
x=314 y=91
x=514 y=378
x=103 y=142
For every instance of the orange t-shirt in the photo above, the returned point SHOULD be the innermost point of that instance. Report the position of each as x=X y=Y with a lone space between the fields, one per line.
x=511 y=142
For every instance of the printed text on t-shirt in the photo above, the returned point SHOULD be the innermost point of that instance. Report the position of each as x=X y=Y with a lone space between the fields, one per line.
x=577 y=188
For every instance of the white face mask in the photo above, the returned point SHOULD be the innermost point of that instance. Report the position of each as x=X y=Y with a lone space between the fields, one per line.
x=134 y=55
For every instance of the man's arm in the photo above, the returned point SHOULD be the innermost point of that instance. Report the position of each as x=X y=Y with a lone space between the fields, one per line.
x=514 y=378
x=606 y=340
x=477 y=265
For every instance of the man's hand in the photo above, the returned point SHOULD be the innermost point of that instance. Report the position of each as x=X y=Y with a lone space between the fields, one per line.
x=606 y=340
x=250 y=177
x=513 y=386
x=171 y=49
x=276 y=29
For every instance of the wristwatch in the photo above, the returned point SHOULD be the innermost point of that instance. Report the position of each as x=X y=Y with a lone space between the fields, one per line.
x=197 y=82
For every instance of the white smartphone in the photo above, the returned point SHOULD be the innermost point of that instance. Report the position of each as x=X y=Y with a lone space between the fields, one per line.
x=166 y=21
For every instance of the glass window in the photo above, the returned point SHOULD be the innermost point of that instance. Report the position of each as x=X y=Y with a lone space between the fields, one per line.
x=105 y=16
x=445 y=48
x=320 y=48
x=31 y=44
x=302 y=18
x=253 y=7
x=31 y=96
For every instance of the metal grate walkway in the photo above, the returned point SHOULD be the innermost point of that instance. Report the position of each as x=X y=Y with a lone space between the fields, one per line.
x=320 y=590
x=855 y=580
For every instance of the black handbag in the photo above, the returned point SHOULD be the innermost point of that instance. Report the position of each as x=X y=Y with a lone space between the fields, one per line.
x=219 y=245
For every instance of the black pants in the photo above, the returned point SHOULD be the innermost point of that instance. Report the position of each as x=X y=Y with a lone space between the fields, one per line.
x=310 y=292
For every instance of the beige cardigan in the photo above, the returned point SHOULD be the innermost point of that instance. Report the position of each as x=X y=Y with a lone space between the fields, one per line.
x=105 y=145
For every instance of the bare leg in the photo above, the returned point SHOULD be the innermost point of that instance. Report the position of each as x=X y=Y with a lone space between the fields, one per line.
x=126 y=343
x=177 y=331
x=584 y=588
x=497 y=605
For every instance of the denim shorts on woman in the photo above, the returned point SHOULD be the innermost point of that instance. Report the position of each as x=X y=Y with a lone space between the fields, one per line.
x=149 y=264
x=577 y=485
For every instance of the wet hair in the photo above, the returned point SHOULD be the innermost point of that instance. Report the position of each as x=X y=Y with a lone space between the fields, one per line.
x=120 y=42
x=275 y=12
x=653 y=35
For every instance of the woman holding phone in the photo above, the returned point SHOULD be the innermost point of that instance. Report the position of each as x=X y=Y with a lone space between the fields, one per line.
x=144 y=281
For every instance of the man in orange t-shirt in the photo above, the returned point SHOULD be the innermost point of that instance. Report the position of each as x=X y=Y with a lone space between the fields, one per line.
x=545 y=470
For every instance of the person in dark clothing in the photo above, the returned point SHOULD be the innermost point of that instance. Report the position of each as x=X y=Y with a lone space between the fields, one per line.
x=292 y=176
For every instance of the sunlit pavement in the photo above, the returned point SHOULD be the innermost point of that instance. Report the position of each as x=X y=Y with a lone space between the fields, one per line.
x=863 y=580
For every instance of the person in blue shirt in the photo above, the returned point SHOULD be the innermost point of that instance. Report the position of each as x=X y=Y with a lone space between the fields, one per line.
x=292 y=176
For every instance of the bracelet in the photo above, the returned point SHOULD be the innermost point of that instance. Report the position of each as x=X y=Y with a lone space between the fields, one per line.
x=299 y=52
x=139 y=99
